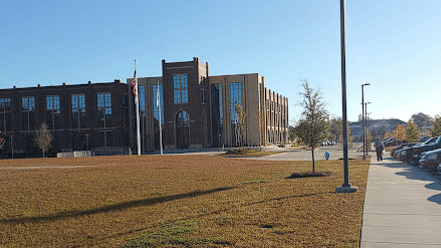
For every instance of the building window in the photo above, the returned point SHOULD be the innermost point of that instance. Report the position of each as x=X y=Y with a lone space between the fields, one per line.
x=183 y=130
x=142 y=106
x=141 y=98
x=78 y=111
x=53 y=112
x=161 y=102
x=5 y=114
x=235 y=98
x=125 y=110
x=180 y=86
x=217 y=113
x=203 y=94
x=104 y=109
x=28 y=113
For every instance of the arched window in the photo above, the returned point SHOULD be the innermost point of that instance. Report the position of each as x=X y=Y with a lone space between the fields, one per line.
x=182 y=130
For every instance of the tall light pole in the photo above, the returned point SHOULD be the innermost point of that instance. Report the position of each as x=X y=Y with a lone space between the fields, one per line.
x=346 y=187
x=366 y=118
x=363 y=117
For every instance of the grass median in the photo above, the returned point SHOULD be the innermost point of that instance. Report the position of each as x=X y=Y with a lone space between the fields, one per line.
x=177 y=201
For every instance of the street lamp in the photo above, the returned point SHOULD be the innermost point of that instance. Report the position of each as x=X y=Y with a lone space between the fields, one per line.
x=346 y=187
x=363 y=117
x=366 y=118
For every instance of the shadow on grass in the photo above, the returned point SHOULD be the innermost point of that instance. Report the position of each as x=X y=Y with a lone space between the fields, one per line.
x=114 y=207
x=202 y=215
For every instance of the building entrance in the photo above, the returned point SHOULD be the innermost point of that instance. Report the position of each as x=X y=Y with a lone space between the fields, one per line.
x=182 y=130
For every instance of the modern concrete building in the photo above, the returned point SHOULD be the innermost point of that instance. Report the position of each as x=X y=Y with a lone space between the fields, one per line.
x=197 y=111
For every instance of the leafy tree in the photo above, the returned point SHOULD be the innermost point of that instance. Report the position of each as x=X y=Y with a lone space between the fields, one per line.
x=313 y=126
x=336 y=128
x=423 y=122
x=261 y=126
x=412 y=131
x=368 y=138
x=292 y=133
x=241 y=115
x=436 y=126
x=388 y=134
x=2 y=141
x=400 y=133
x=44 y=138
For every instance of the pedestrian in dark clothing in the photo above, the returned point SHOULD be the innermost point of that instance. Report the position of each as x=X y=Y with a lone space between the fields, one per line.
x=379 y=147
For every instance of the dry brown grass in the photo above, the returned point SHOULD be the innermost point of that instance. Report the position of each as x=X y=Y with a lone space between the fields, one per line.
x=177 y=201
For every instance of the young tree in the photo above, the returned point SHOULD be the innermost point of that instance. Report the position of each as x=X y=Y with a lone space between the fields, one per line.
x=292 y=134
x=241 y=115
x=261 y=127
x=368 y=138
x=412 y=132
x=313 y=126
x=388 y=134
x=400 y=133
x=2 y=141
x=44 y=138
x=436 y=126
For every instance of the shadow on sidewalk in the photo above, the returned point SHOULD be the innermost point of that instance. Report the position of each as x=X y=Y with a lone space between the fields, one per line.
x=415 y=173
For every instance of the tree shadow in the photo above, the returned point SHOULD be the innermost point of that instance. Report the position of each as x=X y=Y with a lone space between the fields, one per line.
x=416 y=173
x=202 y=215
x=114 y=207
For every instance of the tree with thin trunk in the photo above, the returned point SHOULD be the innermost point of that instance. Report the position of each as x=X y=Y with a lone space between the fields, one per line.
x=412 y=131
x=400 y=133
x=423 y=122
x=313 y=125
x=240 y=125
x=44 y=138
x=2 y=141
x=436 y=126
x=260 y=127
x=388 y=134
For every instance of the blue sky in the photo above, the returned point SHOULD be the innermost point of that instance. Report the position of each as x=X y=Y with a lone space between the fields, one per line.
x=393 y=45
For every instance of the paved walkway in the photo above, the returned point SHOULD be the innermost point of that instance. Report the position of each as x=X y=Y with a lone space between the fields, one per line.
x=402 y=207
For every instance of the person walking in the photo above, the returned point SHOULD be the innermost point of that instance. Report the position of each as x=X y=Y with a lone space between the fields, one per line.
x=379 y=147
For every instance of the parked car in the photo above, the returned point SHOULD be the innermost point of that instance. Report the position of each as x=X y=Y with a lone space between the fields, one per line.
x=412 y=155
x=390 y=142
x=431 y=159
x=397 y=149
x=404 y=152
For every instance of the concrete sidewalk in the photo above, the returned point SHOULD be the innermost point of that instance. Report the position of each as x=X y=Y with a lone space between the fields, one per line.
x=402 y=207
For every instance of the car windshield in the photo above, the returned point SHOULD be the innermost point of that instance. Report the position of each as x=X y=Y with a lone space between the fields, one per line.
x=438 y=140
x=429 y=141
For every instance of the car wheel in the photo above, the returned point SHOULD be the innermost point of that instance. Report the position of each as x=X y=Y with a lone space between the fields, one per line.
x=439 y=168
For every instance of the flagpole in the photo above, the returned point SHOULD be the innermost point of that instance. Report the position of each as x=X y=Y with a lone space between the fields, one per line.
x=138 y=133
x=158 y=102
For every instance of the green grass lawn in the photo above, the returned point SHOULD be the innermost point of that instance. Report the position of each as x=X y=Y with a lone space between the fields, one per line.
x=177 y=201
